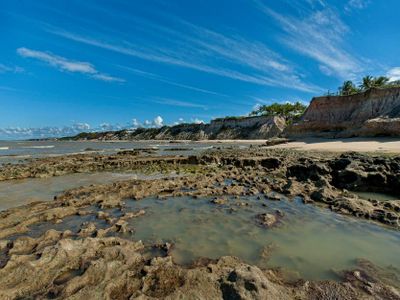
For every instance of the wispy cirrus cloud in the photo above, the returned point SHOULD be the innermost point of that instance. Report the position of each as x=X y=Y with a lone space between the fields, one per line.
x=159 y=78
x=10 y=69
x=64 y=64
x=319 y=35
x=201 y=40
x=179 y=103
x=314 y=3
x=356 y=4
x=203 y=50
x=8 y=89
x=235 y=49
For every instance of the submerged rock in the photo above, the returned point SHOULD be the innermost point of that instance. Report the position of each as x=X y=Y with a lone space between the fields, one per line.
x=267 y=220
x=219 y=201
x=113 y=268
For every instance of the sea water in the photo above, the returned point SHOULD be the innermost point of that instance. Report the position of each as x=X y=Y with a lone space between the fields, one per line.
x=312 y=242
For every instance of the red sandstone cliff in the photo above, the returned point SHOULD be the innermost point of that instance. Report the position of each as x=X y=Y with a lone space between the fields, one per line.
x=372 y=113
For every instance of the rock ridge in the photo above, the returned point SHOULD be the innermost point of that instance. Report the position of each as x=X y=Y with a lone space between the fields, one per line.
x=258 y=127
x=375 y=112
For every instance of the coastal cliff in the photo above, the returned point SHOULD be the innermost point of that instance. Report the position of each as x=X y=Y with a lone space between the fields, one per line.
x=375 y=112
x=258 y=127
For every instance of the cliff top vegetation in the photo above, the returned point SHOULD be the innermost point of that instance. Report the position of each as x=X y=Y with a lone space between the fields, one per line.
x=350 y=88
x=287 y=110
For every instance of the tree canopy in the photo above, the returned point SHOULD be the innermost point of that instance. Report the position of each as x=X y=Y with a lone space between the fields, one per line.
x=348 y=88
x=287 y=110
x=367 y=82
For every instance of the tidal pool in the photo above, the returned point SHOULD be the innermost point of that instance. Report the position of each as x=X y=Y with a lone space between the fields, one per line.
x=19 y=192
x=310 y=242
x=376 y=196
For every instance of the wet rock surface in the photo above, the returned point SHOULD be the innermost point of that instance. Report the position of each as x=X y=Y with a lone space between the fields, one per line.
x=267 y=220
x=85 y=163
x=55 y=266
x=94 y=260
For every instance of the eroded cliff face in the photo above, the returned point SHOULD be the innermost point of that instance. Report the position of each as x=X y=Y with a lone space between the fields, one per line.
x=261 y=127
x=375 y=112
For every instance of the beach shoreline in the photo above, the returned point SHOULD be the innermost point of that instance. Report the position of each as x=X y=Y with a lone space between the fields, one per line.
x=259 y=185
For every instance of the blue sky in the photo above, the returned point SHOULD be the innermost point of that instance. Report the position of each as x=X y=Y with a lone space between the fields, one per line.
x=68 y=66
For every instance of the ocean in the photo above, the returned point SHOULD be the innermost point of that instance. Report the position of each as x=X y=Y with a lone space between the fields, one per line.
x=18 y=151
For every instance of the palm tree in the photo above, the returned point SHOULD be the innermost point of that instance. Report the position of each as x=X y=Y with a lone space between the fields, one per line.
x=380 y=81
x=367 y=83
x=348 y=88
x=371 y=82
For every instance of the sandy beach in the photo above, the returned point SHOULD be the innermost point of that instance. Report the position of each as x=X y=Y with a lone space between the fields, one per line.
x=389 y=145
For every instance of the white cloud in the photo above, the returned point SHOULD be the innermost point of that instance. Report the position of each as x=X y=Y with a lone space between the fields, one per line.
x=394 y=74
x=197 y=121
x=65 y=64
x=10 y=69
x=135 y=123
x=179 y=103
x=158 y=121
x=236 y=49
x=58 y=61
x=81 y=126
x=78 y=127
x=159 y=78
x=313 y=3
x=256 y=106
x=42 y=132
x=264 y=101
x=320 y=35
x=202 y=49
x=105 y=77
x=106 y=127
x=356 y=4
x=180 y=121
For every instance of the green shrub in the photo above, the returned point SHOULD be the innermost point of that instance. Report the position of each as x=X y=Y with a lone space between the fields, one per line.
x=287 y=110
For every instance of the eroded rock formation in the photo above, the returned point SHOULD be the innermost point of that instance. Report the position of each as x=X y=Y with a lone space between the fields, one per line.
x=57 y=267
x=95 y=261
x=261 y=127
x=375 y=112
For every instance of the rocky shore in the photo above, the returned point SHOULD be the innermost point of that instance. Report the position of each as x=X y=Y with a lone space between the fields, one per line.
x=86 y=163
x=79 y=245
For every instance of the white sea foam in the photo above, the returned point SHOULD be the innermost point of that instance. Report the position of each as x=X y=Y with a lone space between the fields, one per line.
x=39 y=147
x=4 y=148
x=205 y=147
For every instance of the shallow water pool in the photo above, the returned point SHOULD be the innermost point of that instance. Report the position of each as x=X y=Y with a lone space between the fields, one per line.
x=19 y=192
x=310 y=242
x=376 y=196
